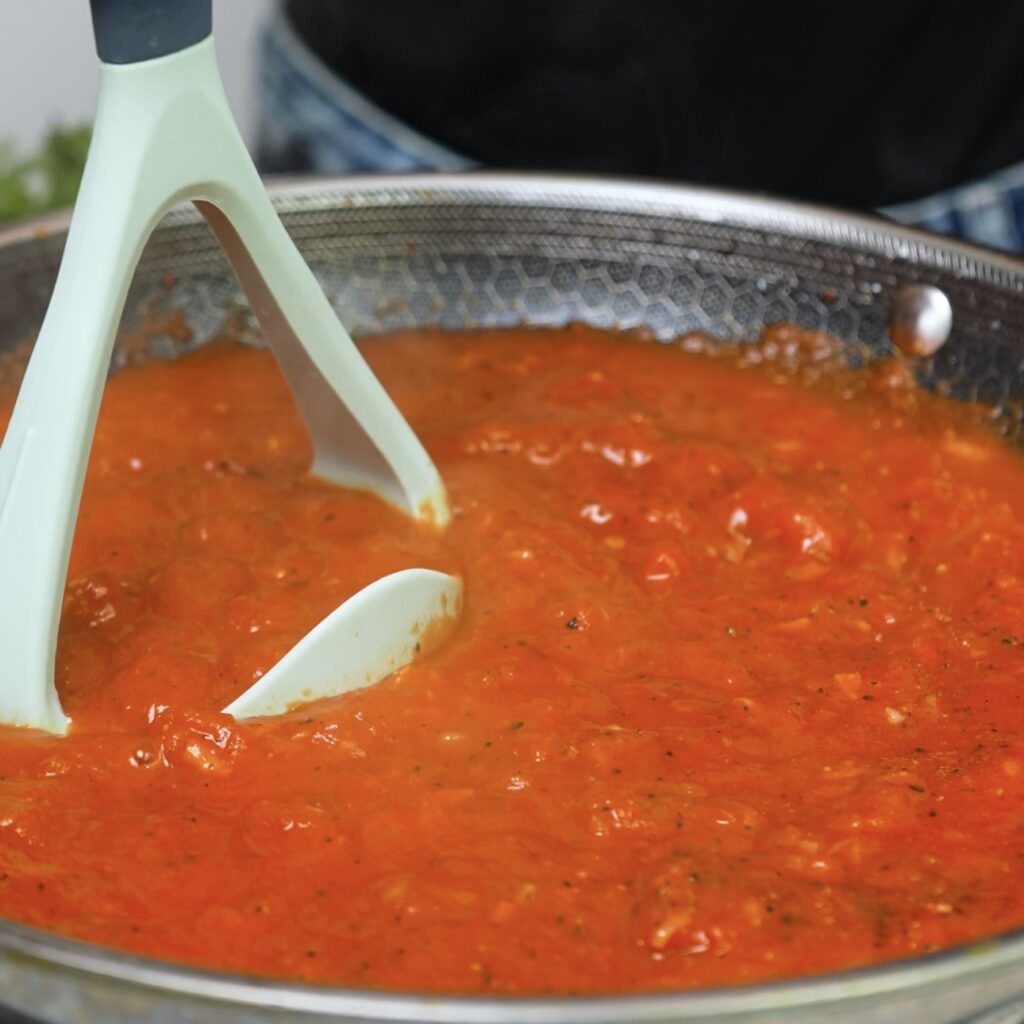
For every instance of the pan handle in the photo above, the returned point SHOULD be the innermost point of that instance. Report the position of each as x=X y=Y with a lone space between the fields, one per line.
x=131 y=31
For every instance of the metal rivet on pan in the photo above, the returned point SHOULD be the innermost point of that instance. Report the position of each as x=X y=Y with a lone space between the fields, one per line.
x=920 y=320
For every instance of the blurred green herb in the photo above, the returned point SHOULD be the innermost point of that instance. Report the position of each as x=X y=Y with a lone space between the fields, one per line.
x=46 y=181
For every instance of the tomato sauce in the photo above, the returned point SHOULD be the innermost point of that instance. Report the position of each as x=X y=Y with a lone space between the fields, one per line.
x=737 y=694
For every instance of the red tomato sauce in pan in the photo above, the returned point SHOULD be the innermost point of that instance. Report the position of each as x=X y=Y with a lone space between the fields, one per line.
x=737 y=693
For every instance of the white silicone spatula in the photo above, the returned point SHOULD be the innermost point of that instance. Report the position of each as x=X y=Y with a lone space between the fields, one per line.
x=163 y=134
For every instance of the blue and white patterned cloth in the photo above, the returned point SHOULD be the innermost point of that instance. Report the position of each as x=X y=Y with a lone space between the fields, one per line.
x=312 y=121
x=989 y=211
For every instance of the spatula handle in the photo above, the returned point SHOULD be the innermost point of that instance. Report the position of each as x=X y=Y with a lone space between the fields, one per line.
x=130 y=31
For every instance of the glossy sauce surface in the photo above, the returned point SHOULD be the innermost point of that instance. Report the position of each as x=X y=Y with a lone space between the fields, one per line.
x=738 y=692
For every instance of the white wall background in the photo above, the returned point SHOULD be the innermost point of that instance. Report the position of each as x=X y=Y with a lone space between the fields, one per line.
x=48 y=63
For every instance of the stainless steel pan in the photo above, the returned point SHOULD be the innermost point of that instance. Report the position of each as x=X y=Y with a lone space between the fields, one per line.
x=488 y=249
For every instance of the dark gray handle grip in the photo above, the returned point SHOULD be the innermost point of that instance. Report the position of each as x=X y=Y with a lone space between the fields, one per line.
x=130 y=31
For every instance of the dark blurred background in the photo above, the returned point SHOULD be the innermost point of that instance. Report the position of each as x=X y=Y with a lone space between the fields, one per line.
x=911 y=107
x=915 y=107
x=817 y=100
